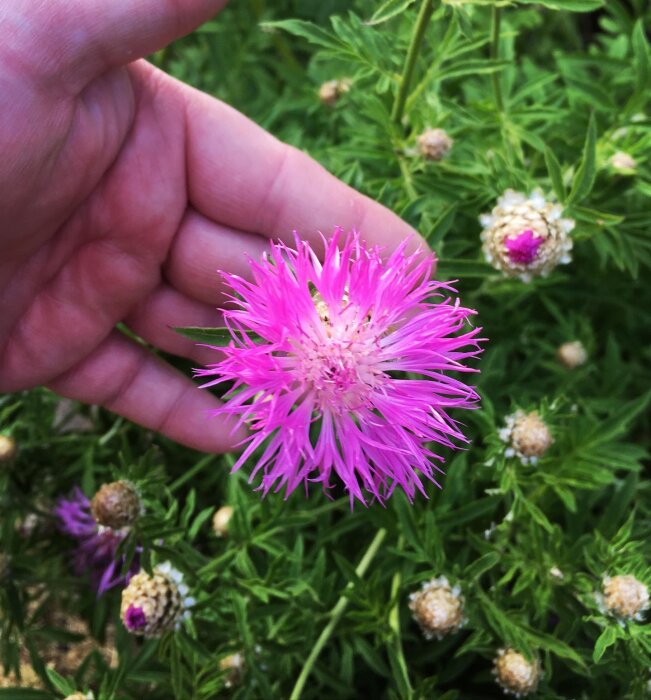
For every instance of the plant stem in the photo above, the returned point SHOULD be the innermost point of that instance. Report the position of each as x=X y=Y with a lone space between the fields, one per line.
x=335 y=615
x=394 y=623
x=495 y=49
x=424 y=15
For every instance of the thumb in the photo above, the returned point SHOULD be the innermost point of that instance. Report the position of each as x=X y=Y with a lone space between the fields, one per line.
x=77 y=40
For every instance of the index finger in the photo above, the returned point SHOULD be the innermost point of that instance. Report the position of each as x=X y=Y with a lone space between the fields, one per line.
x=241 y=176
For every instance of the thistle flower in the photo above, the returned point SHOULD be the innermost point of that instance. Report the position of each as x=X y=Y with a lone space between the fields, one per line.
x=336 y=341
x=515 y=674
x=153 y=605
x=332 y=90
x=116 y=505
x=437 y=608
x=7 y=449
x=526 y=236
x=527 y=436
x=221 y=520
x=96 y=552
x=434 y=144
x=624 y=597
x=572 y=354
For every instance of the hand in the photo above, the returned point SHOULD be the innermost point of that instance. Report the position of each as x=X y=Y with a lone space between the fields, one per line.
x=122 y=192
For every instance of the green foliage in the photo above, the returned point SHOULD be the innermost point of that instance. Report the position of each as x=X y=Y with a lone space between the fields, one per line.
x=544 y=102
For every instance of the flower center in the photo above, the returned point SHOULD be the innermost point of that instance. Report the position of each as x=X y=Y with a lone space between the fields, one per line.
x=135 y=618
x=523 y=248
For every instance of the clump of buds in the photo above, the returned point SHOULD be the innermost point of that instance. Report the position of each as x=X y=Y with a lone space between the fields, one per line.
x=116 y=505
x=623 y=162
x=515 y=674
x=527 y=436
x=8 y=449
x=525 y=236
x=332 y=90
x=572 y=354
x=625 y=597
x=153 y=605
x=221 y=520
x=434 y=144
x=438 y=608
x=234 y=667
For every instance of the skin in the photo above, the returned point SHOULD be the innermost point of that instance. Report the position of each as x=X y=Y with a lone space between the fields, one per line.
x=122 y=192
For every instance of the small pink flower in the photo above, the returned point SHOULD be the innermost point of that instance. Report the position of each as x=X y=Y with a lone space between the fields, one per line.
x=348 y=373
x=524 y=247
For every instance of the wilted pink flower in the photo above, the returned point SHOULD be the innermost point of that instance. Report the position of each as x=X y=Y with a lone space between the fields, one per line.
x=523 y=248
x=348 y=373
x=96 y=551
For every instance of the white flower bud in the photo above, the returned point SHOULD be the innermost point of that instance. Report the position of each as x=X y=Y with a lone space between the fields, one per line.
x=438 y=608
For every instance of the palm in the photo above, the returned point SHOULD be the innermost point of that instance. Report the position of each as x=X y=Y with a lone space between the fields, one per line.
x=133 y=191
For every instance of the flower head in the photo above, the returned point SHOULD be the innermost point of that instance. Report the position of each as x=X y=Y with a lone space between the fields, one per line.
x=515 y=674
x=526 y=236
x=623 y=162
x=116 y=505
x=572 y=354
x=96 y=552
x=221 y=520
x=624 y=597
x=359 y=344
x=438 y=608
x=527 y=436
x=434 y=144
x=7 y=449
x=153 y=605
x=332 y=90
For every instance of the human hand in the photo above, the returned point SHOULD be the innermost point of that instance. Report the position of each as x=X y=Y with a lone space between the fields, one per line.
x=122 y=192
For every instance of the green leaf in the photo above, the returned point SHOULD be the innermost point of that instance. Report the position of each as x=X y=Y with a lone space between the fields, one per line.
x=219 y=336
x=568 y=5
x=480 y=566
x=313 y=33
x=388 y=10
x=607 y=638
x=63 y=685
x=585 y=175
x=641 y=56
x=555 y=174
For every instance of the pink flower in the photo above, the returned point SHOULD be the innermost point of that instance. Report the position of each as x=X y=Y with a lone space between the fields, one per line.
x=346 y=373
x=523 y=248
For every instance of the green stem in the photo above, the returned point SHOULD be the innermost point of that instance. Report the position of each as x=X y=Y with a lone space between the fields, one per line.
x=394 y=623
x=424 y=15
x=335 y=615
x=495 y=50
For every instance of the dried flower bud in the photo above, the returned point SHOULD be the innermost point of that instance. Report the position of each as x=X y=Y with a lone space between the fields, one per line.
x=8 y=449
x=153 y=605
x=572 y=354
x=80 y=696
x=625 y=597
x=434 y=144
x=234 y=667
x=515 y=674
x=623 y=162
x=526 y=236
x=527 y=436
x=116 y=505
x=28 y=678
x=332 y=90
x=221 y=520
x=438 y=608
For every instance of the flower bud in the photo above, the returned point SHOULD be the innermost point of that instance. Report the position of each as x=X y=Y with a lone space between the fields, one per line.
x=153 y=605
x=8 y=449
x=221 y=520
x=116 y=505
x=525 y=236
x=332 y=90
x=437 y=608
x=572 y=354
x=625 y=597
x=527 y=436
x=28 y=678
x=434 y=144
x=515 y=674
x=80 y=696
x=234 y=667
x=623 y=162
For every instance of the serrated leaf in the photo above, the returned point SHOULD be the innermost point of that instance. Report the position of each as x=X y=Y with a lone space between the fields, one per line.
x=585 y=175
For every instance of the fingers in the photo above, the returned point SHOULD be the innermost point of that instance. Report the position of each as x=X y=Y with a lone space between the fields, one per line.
x=125 y=378
x=77 y=40
x=242 y=177
x=201 y=249
x=155 y=319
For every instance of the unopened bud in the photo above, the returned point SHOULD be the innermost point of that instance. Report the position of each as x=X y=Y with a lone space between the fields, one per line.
x=438 y=608
x=572 y=354
x=221 y=520
x=434 y=144
x=527 y=436
x=625 y=597
x=8 y=449
x=234 y=667
x=116 y=505
x=515 y=674
x=332 y=90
